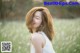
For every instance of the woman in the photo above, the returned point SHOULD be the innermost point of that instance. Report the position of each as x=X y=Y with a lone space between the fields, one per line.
x=39 y=23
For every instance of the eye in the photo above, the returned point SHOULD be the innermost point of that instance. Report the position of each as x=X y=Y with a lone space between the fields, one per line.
x=37 y=17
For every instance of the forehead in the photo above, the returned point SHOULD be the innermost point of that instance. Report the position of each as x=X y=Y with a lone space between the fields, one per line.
x=37 y=13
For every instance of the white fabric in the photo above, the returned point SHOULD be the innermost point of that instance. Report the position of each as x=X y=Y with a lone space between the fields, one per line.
x=48 y=48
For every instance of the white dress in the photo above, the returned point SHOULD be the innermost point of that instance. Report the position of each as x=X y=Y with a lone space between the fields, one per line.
x=48 y=48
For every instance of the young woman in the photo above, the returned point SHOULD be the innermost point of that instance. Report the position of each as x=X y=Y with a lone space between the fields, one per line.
x=39 y=23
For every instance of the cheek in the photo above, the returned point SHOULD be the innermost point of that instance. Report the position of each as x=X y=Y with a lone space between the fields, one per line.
x=39 y=22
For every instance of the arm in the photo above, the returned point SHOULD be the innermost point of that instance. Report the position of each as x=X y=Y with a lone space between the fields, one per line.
x=37 y=43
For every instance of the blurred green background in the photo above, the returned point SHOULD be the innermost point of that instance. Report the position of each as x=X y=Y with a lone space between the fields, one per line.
x=66 y=21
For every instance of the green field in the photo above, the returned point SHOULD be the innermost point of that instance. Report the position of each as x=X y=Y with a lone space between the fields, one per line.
x=66 y=39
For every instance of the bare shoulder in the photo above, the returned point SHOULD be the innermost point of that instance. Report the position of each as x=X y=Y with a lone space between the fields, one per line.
x=35 y=36
x=37 y=39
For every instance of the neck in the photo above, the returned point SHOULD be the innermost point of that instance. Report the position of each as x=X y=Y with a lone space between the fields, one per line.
x=34 y=30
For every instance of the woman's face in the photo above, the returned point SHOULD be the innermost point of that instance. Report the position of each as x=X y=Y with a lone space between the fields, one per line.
x=37 y=19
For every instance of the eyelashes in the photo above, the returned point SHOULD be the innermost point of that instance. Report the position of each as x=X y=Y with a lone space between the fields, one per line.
x=37 y=17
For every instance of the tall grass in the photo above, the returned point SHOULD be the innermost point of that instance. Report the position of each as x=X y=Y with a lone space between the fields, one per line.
x=66 y=39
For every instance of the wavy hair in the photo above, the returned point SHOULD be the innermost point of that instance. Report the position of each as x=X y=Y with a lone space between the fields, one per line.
x=47 y=21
